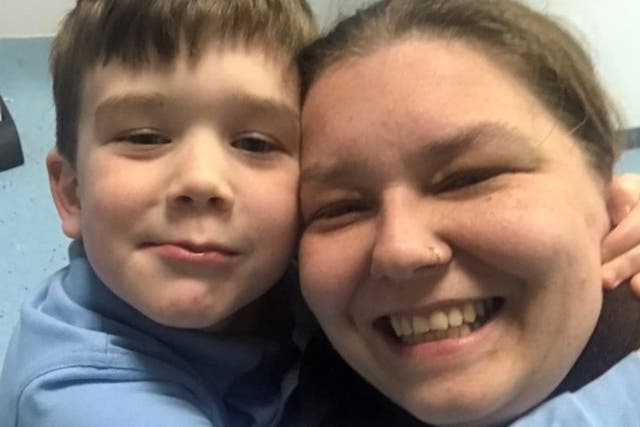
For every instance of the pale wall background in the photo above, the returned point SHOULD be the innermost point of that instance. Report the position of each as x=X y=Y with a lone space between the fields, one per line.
x=608 y=27
x=611 y=30
x=31 y=18
x=39 y=18
x=31 y=243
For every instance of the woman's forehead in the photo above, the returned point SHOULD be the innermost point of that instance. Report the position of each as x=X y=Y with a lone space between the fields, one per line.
x=416 y=87
x=417 y=75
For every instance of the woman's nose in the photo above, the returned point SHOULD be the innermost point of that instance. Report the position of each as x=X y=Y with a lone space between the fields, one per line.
x=406 y=241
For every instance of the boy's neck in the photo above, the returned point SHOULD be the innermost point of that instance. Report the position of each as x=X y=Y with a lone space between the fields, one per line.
x=266 y=317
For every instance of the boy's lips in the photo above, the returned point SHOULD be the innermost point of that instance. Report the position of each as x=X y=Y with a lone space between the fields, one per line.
x=195 y=253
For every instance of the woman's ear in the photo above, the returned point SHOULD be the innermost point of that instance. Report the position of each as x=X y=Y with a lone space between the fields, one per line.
x=63 y=183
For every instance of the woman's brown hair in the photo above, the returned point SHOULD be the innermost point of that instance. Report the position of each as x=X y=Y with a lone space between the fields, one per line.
x=532 y=46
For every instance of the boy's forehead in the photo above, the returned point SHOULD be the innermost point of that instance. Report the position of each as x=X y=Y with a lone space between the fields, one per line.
x=239 y=75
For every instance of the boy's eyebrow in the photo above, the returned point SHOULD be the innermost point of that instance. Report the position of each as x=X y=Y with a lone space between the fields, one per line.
x=155 y=100
x=265 y=105
x=439 y=151
x=128 y=102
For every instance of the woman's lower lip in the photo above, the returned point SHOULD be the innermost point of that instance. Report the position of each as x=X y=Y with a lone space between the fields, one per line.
x=184 y=255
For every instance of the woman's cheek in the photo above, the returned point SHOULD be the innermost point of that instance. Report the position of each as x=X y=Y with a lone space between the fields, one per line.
x=331 y=267
x=519 y=232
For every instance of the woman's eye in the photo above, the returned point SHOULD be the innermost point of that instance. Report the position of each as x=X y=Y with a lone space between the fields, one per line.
x=338 y=213
x=144 y=138
x=462 y=180
x=254 y=144
x=334 y=211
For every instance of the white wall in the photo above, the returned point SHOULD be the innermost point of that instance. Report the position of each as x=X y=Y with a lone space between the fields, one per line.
x=36 y=18
x=328 y=11
x=610 y=29
x=31 y=18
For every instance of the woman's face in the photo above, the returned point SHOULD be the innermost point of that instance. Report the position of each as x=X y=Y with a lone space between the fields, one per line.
x=439 y=195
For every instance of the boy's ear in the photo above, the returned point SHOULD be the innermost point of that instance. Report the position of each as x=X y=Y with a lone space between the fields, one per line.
x=63 y=182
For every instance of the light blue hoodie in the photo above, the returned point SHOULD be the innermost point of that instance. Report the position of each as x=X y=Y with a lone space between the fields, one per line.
x=80 y=356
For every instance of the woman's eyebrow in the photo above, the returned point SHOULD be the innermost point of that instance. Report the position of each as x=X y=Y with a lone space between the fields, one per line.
x=499 y=138
x=326 y=172
x=483 y=135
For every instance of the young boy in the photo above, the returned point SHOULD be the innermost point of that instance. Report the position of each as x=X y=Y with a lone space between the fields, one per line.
x=175 y=172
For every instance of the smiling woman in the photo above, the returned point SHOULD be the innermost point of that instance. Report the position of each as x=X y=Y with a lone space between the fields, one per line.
x=455 y=264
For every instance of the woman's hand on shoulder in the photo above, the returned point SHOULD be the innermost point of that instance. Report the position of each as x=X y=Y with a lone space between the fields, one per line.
x=621 y=247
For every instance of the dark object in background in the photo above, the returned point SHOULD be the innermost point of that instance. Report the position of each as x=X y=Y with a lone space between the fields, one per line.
x=633 y=138
x=10 y=150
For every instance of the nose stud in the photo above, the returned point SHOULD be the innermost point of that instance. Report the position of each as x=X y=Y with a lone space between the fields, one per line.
x=435 y=257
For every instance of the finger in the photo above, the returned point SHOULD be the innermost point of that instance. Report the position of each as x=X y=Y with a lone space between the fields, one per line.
x=623 y=237
x=635 y=285
x=619 y=207
x=624 y=194
x=621 y=268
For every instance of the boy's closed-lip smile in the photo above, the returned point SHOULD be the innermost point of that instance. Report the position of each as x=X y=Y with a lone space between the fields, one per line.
x=195 y=253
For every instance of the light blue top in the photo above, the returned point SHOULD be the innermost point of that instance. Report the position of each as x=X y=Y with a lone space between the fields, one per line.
x=80 y=356
x=612 y=400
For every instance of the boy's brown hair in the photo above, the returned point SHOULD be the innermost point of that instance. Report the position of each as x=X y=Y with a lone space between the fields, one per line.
x=138 y=33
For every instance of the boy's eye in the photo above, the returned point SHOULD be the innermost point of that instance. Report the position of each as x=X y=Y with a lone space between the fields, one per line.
x=144 y=138
x=461 y=180
x=254 y=144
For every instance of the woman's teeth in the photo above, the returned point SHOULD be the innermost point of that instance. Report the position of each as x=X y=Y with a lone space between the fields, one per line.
x=452 y=322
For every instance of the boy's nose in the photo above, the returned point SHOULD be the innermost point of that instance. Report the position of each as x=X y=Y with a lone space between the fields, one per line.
x=405 y=243
x=203 y=174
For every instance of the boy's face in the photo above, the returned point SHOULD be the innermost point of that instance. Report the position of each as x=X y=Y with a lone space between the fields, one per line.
x=184 y=192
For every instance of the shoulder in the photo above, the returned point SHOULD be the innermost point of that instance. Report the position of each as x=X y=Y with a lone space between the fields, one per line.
x=53 y=331
x=76 y=398
x=610 y=400
x=62 y=363
x=110 y=388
